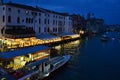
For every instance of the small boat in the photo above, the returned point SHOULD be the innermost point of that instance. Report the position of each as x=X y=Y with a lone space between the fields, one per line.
x=113 y=38
x=57 y=63
x=104 y=38
x=54 y=64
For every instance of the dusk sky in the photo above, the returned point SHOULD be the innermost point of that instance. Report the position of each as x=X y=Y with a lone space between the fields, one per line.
x=109 y=10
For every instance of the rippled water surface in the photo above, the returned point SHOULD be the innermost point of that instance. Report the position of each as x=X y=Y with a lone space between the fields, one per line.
x=91 y=59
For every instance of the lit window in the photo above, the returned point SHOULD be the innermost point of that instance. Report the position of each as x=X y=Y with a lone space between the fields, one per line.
x=27 y=12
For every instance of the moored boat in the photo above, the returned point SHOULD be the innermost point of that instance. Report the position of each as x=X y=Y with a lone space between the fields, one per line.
x=55 y=64
x=104 y=38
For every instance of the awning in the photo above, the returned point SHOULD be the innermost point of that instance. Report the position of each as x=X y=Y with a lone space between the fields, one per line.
x=46 y=36
x=37 y=62
x=23 y=51
x=66 y=33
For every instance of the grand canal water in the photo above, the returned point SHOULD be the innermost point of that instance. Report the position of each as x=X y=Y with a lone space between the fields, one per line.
x=91 y=59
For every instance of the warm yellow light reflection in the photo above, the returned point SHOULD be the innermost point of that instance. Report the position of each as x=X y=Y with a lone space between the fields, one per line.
x=81 y=32
x=25 y=42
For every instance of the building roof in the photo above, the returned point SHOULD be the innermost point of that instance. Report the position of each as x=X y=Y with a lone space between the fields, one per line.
x=27 y=7
x=23 y=6
x=22 y=51
x=50 y=11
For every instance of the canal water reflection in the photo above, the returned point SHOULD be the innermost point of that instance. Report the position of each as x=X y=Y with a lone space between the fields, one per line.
x=91 y=59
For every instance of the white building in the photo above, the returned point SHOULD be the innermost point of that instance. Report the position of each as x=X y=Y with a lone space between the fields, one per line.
x=17 y=16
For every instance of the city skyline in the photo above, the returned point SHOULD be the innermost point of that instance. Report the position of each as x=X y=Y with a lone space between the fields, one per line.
x=107 y=9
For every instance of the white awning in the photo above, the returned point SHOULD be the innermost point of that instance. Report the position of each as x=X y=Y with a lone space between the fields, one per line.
x=66 y=33
x=46 y=36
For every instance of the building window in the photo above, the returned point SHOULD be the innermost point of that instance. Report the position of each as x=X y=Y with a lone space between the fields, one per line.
x=56 y=22
x=3 y=8
x=48 y=21
x=45 y=21
x=48 y=30
x=18 y=11
x=64 y=22
x=39 y=30
x=48 y=15
x=9 y=9
x=45 y=14
x=18 y=19
x=39 y=20
x=3 y=18
x=26 y=20
x=56 y=29
x=27 y=12
x=53 y=22
x=32 y=20
x=29 y=20
x=53 y=29
x=23 y=20
x=44 y=29
x=9 y=19
x=39 y=14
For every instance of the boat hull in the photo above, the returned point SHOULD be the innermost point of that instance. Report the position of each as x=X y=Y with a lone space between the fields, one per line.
x=66 y=59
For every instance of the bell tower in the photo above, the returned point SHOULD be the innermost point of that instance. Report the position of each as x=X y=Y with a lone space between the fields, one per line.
x=1 y=2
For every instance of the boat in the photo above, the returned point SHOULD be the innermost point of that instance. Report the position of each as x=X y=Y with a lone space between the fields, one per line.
x=55 y=64
x=60 y=61
x=104 y=38
x=25 y=63
x=31 y=63
x=113 y=38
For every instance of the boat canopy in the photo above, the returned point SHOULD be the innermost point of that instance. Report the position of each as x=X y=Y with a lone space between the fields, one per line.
x=57 y=60
x=46 y=36
x=37 y=62
x=23 y=51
